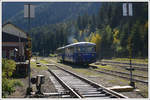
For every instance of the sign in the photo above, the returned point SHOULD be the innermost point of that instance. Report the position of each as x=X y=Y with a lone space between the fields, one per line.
x=124 y=9
x=127 y=9
x=130 y=9
x=29 y=11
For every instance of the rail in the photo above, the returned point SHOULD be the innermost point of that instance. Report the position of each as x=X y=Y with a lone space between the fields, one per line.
x=118 y=95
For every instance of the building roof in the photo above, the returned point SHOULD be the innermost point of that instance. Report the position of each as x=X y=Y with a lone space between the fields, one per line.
x=12 y=29
x=12 y=38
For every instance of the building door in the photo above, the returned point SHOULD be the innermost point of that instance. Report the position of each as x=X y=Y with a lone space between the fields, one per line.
x=11 y=54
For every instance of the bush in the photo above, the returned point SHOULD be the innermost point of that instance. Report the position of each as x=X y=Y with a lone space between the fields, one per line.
x=8 y=67
x=8 y=85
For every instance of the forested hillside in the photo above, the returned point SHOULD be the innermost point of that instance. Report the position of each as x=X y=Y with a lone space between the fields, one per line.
x=47 y=13
x=111 y=32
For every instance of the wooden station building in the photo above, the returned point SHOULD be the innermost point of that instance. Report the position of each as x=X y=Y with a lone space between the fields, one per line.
x=14 y=42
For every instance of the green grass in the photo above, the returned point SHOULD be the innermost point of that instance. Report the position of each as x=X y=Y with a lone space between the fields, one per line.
x=17 y=82
x=42 y=67
x=52 y=55
x=86 y=72
x=43 y=61
x=118 y=81
x=113 y=80
x=133 y=60
x=108 y=67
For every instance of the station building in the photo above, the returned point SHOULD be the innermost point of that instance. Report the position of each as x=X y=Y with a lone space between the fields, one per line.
x=14 y=42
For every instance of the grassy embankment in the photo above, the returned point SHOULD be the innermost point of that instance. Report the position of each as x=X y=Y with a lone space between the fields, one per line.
x=134 y=60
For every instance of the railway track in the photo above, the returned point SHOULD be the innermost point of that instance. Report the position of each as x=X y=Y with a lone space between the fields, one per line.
x=136 y=64
x=141 y=67
x=61 y=90
x=120 y=74
x=79 y=87
x=123 y=73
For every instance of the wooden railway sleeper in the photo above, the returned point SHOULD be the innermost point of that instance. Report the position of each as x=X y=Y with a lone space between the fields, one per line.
x=95 y=95
x=118 y=95
x=72 y=93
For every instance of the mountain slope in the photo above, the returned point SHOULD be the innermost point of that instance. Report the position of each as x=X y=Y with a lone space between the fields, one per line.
x=50 y=13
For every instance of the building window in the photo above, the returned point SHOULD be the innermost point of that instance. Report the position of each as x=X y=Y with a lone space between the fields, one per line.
x=4 y=53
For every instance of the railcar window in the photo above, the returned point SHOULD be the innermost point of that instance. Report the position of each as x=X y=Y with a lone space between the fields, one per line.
x=86 y=49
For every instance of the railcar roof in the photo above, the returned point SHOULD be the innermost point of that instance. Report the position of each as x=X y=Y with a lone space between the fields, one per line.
x=60 y=48
x=77 y=44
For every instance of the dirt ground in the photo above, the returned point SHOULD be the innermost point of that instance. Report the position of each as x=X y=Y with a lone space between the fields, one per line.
x=47 y=87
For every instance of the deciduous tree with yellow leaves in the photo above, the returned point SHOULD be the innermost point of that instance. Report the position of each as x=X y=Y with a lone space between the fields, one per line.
x=96 y=38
